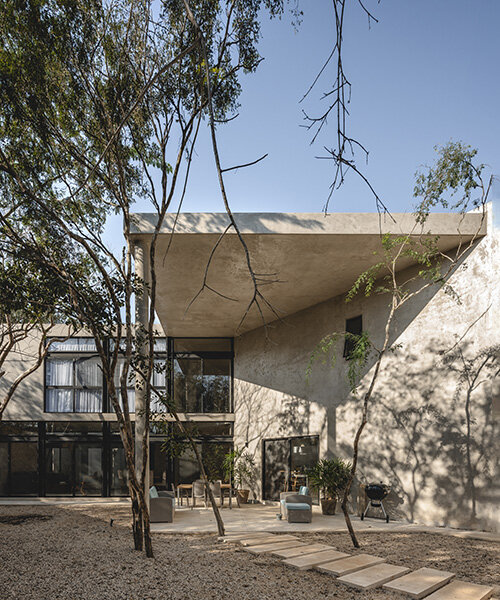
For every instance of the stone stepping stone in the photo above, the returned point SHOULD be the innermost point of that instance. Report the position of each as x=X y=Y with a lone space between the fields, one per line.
x=299 y=551
x=350 y=564
x=254 y=541
x=308 y=561
x=373 y=577
x=462 y=590
x=264 y=548
x=420 y=583
x=236 y=537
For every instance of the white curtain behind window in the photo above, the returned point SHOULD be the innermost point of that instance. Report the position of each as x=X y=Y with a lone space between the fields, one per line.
x=88 y=401
x=59 y=400
x=59 y=372
x=88 y=373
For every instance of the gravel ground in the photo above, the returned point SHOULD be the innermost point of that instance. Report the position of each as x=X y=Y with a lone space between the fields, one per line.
x=72 y=553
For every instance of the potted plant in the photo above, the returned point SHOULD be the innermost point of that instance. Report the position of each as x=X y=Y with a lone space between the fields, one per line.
x=329 y=477
x=239 y=468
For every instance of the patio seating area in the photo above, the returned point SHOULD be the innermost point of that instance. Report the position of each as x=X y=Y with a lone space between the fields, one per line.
x=263 y=518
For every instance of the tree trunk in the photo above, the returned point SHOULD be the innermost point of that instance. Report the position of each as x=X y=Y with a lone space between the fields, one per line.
x=136 y=520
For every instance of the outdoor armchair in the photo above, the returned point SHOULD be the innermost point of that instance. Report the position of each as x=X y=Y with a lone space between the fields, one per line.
x=161 y=506
x=296 y=508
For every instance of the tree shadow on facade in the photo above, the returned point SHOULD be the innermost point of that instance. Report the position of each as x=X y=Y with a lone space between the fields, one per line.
x=432 y=436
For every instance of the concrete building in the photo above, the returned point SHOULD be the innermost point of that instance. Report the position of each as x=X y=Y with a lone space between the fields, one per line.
x=241 y=376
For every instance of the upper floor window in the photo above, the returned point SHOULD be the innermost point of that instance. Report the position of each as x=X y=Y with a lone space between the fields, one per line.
x=201 y=379
x=73 y=384
x=355 y=327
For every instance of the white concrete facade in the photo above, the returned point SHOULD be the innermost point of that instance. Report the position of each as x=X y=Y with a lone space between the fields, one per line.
x=419 y=438
x=417 y=435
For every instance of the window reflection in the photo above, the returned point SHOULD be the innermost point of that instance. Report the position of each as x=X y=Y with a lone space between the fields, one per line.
x=202 y=382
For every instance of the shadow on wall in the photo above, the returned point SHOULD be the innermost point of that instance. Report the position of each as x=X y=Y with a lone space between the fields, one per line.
x=432 y=436
x=260 y=416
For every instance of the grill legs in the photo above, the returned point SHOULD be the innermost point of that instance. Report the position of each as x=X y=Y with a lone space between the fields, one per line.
x=375 y=504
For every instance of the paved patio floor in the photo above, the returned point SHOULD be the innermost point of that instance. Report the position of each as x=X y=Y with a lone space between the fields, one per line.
x=260 y=517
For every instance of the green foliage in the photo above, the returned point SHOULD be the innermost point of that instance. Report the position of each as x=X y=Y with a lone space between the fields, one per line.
x=175 y=443
x=330 y=477
x=453 y=174
x=329 y=347
x=239 y=466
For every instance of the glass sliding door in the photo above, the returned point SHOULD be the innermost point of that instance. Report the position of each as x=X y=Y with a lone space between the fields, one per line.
x=276 y=468
x=59 y=470
x=88 y=469
x=119 y=472
x=73 y=469
x=285 y=464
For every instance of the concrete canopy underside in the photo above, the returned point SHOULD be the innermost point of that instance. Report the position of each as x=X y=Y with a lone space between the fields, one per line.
x=308 y=257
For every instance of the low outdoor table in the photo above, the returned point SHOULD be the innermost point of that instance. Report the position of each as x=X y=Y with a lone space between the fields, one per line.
x=187 y=487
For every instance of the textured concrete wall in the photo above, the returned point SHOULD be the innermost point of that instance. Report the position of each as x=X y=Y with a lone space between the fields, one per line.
x=433 y=431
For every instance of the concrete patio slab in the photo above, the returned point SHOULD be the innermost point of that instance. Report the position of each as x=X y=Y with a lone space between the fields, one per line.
x=420 y=583
x=462 y=590
x=349 y=564
x=265 y=548
x=300 y=551
x=373 y=577
x=259 y=518
x=303 y=563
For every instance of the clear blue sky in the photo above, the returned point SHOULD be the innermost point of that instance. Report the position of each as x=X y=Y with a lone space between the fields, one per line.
x=428 y=72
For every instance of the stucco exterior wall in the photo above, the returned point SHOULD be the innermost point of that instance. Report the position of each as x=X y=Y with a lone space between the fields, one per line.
x=433 y=431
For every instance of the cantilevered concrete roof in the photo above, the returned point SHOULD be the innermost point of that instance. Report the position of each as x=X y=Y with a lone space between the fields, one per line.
x=314 y=257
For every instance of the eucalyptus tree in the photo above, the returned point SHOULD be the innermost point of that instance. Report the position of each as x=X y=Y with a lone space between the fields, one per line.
x=456 y=182
x=103 y=103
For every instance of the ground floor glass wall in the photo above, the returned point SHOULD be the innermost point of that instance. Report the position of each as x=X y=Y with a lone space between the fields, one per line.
x=87 y=458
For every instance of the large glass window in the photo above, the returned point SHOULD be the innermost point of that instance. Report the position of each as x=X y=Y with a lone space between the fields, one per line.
x=23 y=468
x=119 y=472
x=74 y=379
x=4 y=468
x=73 y=469
x=201 y=375
x=73 y=384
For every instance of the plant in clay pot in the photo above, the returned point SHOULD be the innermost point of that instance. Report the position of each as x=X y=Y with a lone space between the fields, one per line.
x=239 y=468
x=329 y=477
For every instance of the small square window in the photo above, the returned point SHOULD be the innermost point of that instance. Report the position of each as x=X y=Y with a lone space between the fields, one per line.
x=355 y=327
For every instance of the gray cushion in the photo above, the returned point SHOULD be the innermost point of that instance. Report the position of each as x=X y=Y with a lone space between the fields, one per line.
x=297 y=506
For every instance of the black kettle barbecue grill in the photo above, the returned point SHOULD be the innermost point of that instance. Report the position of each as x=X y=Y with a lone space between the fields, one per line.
x=376 y=492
